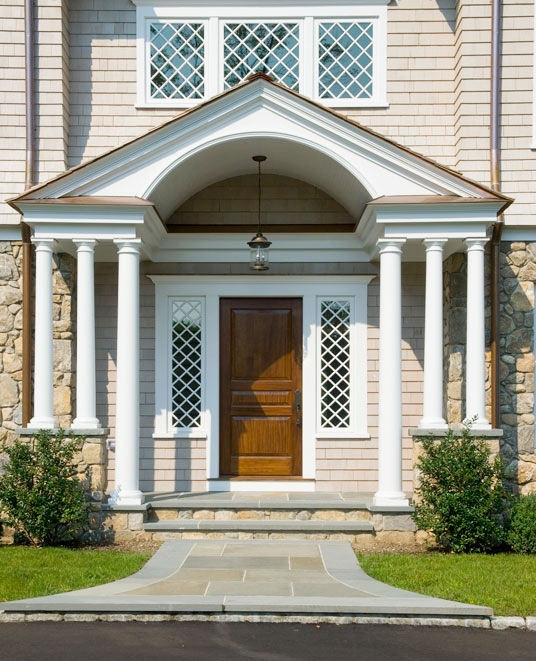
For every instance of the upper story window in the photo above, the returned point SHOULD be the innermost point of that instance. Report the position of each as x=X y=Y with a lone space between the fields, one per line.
x=334 y=53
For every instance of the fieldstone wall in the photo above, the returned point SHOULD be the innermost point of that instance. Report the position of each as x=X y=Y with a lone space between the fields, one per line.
x=10 y=339
x=518 y=273
x=64 y=310
x=90 y=464
x=455 y=325
x=517 y=276
x=91 y=468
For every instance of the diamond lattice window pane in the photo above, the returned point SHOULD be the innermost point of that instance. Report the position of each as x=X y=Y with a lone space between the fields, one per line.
x=335 y=364
x=272 y=48
x=186 y=367
x=177 y=56
x=345 y=60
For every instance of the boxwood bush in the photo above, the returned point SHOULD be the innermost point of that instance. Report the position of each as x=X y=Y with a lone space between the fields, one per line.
x=40 y=494
x=462 y=495
x=522 y=529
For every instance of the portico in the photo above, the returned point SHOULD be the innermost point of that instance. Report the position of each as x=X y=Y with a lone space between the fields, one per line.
x=125 y=209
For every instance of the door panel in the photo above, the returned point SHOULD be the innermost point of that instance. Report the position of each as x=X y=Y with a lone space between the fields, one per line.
x=260 y=372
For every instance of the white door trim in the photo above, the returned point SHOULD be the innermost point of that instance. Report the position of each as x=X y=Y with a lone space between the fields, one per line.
x=310 y=289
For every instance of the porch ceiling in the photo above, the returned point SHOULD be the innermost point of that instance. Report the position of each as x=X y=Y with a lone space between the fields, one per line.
x=284 y=157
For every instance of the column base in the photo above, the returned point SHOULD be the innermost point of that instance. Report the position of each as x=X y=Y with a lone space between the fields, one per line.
x=85 y=423
x=127 y=498
x=43 y=423
x=390 y=499
x=479 y=423
x=433 y=423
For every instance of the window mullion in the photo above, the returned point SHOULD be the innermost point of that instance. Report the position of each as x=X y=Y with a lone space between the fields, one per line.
x=213 y=61
x=308 y=58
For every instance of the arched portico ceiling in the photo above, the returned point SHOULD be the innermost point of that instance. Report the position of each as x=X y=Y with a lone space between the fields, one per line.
x=287 y=205
x=233 y=158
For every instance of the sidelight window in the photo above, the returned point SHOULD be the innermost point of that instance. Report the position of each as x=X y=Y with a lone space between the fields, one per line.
x=186 y=363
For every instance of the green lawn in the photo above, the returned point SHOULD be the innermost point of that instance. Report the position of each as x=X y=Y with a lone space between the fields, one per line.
x=505 y=582
x=33 y=572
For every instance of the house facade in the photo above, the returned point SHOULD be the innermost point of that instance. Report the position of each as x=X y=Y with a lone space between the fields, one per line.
x=396 y=191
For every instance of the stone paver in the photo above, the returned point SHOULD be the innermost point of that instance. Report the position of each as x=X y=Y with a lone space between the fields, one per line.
x=250 y=577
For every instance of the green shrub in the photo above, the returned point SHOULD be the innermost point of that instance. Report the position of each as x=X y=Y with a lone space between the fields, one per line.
x=40 y=495
x=462 y=493
x=522 y=529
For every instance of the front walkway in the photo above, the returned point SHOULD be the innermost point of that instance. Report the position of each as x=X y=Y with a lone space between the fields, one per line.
x=252 y=578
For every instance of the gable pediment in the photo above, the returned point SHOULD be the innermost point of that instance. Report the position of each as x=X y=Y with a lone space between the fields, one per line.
x=216 y=140
x=213 y=143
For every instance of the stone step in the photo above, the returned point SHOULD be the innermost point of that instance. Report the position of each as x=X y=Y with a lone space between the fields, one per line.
x=267 y=501
x=234 y=513
x=269 y=526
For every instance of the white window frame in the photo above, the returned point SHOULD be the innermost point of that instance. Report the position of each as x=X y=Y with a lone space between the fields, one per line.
x=356 y=412
x=310 y=289
x=307 y=13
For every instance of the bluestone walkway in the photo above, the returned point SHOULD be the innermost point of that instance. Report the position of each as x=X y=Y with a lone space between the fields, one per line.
x=250 y=577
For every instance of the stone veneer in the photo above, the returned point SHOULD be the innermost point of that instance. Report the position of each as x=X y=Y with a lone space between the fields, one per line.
x=10 y=339
x=517 y=275
x=63 y=301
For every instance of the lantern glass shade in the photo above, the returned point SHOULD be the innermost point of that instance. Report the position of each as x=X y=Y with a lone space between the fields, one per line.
x=259 y=248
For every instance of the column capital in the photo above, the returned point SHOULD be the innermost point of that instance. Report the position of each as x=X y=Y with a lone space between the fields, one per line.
x=44 y=244
x=128 y=245
x=390 y=245
x=434 y=244
x=88 y=244
x=476 y=243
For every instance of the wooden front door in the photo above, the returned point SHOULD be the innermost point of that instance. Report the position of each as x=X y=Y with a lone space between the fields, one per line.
x=260 y=387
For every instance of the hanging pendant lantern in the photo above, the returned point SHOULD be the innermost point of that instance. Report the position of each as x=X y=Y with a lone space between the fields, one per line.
x=259 y=245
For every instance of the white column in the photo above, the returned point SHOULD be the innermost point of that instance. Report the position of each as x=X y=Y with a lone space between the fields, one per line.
x=433 y=337
x=390 y=397
x=86 y=417
x=43 y=417
x=475 y=364
x=127 y=424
